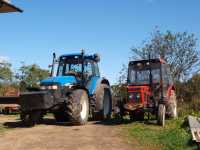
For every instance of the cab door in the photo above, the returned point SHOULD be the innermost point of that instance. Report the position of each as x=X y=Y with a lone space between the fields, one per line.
x=93 y=76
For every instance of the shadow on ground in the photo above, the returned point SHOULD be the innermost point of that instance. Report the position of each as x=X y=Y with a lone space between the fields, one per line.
x=19 y=124
x=51 y=121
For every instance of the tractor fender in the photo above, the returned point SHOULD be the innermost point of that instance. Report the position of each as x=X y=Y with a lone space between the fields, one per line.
x=171 y=89
x=98 y=94
x=80 y=87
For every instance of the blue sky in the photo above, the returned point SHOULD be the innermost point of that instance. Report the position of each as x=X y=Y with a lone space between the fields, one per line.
x=108 y=27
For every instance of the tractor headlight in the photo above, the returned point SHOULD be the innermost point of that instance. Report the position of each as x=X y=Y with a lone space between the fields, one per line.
x=131 y=96
x=43 y=87
x=136 y=97
x=54 y=87
x=49 y=87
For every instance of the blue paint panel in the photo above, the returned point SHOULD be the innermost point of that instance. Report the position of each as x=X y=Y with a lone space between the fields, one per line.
x=92 y=84
x=62 y=80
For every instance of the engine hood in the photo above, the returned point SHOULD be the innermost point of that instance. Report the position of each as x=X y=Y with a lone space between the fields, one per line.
x=138 y=88
x=61 y=80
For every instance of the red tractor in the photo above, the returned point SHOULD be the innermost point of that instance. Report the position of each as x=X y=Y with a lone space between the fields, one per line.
x=150 y=89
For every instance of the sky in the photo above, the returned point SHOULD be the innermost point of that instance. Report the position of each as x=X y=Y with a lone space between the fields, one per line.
x=107 y=27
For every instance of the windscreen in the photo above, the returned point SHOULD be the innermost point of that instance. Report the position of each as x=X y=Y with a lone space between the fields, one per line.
x=140 y=73
x=68 y=65
x=73 y=65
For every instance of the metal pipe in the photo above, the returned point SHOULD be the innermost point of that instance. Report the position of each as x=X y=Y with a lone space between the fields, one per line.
x=53 y=64
x=82 y=57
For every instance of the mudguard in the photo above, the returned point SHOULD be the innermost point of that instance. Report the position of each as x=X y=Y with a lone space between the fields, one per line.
x=96 y=88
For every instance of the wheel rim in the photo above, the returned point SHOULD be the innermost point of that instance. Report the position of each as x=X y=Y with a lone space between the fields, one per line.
x=175 y=111
x=163 y=117
x=106 y=105
x=83 y=109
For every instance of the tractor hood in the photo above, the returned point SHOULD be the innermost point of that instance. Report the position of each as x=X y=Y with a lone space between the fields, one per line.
x=61 y=80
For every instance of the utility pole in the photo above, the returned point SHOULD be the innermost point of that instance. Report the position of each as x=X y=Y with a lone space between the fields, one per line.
x=7 y=7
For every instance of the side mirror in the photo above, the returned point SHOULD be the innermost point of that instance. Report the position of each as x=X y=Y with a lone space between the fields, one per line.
x=97 y=57
x=50 y=66
x=54 y=55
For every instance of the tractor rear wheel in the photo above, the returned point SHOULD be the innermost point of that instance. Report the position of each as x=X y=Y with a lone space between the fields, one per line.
x=104 y=95
x=107 y=104
x=78 y=107
x=161 y=114
x=172 y=106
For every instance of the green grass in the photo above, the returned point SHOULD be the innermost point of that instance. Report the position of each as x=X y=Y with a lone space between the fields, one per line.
x=150 y=136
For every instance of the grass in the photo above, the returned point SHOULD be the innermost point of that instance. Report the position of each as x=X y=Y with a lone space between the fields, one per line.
x=174 y=136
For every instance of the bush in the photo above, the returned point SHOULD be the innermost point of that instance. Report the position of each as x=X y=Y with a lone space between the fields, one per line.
x=189 y=108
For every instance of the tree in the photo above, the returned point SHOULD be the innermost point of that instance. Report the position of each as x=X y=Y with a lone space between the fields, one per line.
x=178 y=49
x=30 y=75
x=5 y=70
x=123 y=75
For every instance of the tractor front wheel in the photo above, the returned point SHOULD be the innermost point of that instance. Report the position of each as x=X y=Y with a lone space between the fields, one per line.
x=78 y=107
x=161 y=114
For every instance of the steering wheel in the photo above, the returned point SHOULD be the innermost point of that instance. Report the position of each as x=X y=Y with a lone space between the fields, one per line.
x=72 y=73
x=76 y=74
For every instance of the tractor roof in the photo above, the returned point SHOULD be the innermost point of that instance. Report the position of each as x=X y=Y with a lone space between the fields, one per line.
x=94 y=57
x=154 y=61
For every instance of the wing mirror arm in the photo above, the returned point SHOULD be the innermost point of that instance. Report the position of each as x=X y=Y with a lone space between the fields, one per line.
x=53 y=64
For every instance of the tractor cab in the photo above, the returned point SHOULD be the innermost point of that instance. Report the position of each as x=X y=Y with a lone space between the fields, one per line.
x=82 y=68
x=148 y=83
x=73 y=70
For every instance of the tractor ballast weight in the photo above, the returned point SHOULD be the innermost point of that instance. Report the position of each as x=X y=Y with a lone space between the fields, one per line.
x=76 y=93
x=150 y=89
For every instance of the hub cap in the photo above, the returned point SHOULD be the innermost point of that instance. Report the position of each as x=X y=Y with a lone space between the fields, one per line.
x=83 y=109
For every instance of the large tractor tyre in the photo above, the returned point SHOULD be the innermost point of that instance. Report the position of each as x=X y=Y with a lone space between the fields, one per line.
x=31 y=118
x=172 y=106
x=105 y=95
x=161 y=114
x=77 y=108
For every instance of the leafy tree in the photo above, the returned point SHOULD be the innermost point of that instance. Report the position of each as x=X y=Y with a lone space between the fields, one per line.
x=5 y=70
x=30 y=75
x=123 y=75
x=178 y=49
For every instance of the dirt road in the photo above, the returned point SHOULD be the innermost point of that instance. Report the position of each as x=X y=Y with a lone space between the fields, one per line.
x=53 y=136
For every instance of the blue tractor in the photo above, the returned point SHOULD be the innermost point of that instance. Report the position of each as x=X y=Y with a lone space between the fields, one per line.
x=75 y=94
